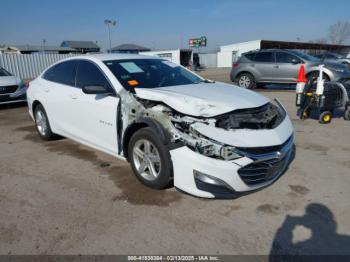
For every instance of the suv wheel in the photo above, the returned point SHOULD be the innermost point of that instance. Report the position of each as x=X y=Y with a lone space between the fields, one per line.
x=246 y=80
x=150 y=159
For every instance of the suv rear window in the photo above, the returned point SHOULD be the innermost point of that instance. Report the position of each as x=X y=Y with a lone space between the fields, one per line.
x=250 y=56
x=264 y=57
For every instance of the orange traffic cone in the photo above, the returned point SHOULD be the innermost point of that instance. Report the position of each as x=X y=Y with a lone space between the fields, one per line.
x=301 y=81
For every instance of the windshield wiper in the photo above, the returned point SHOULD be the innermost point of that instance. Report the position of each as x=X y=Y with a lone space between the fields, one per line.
x=206 y=81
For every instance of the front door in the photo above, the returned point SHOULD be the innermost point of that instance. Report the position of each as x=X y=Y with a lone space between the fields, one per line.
x=93 y=118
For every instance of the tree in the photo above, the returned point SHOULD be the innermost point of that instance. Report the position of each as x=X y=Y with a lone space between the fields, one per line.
x=339 y=32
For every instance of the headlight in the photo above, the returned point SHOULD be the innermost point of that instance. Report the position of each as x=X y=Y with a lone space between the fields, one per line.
x=229 y=153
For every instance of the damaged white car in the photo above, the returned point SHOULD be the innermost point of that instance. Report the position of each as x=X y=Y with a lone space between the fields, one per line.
x=174 y=127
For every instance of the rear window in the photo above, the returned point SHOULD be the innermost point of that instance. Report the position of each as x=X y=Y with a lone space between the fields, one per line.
x=250 y=56
x=264 y=57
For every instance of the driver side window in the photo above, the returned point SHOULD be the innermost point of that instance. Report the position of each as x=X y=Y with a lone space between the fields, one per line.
x=89 y=74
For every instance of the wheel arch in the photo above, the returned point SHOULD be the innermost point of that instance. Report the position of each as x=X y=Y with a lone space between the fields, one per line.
x=35 y=104
x=142 y=123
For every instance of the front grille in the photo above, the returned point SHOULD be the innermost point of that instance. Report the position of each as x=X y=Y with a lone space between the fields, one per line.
x=260 y=172
x=263 y=150
x=269 y=162
x=8 y=89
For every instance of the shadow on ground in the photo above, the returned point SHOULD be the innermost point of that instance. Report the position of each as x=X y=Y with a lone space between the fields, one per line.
x=324 y=239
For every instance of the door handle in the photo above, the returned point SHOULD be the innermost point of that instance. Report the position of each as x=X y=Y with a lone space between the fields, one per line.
x=73 y=96
x=276 y=66
x=46 y=89
x=252 y=65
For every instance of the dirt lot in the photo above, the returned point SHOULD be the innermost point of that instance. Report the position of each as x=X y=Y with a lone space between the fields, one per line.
x=63 y=198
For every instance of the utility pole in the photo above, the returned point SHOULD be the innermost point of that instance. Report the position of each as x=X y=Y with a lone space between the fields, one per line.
x=110 y=23
x=44 y=41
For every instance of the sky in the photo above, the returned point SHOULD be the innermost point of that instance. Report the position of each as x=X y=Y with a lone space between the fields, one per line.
x=165 y=24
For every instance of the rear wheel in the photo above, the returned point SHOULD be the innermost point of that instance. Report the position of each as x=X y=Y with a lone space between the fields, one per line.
x=347 y=114
x=150 y=159
x=246 y=80
x=42 y=123
x=325 y=117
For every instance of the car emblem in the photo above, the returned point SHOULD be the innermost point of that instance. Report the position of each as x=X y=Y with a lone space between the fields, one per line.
x=278 y=155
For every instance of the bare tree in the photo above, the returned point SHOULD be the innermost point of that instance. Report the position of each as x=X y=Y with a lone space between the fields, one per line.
x=322 y=40
x=339 y=32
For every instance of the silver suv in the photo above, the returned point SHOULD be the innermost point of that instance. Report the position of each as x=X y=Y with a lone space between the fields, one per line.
x=282 y=66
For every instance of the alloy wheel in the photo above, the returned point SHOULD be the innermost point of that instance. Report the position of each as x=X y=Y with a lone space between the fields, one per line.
x=41 y=122
x=146 y=159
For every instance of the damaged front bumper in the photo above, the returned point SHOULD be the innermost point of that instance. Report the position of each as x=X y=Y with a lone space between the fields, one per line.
x=259 y=166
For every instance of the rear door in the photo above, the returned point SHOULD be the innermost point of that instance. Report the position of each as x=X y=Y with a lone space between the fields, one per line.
x=287 y=67
x=264 y=64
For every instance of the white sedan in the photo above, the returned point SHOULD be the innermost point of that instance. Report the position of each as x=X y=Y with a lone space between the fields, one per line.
x=174 y=127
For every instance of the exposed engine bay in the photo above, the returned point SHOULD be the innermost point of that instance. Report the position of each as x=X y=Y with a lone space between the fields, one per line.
x=183 y=128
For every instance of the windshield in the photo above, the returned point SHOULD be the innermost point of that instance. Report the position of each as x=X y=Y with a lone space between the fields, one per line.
x=150 y=73
x=3 y=72
x=305 y=56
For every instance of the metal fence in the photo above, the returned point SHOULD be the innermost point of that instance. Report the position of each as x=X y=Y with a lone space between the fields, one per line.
x=29 y=66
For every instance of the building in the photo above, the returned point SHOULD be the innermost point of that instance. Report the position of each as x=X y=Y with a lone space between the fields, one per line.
x=182 y=57
x=229 y=54
x=129 y=48
x=82 y=46
x=31 y=49
x=6 y=49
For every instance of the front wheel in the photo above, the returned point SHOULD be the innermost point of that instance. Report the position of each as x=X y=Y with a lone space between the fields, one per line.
x=246 y=80
x=150 y=159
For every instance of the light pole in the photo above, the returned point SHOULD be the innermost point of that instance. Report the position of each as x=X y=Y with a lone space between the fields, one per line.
x=110 y=23
x=44 y=42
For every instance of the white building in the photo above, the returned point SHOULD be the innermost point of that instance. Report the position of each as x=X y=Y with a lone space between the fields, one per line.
x=229 y=54
x=178 y=56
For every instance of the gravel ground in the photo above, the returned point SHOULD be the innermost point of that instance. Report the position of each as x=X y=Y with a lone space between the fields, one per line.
x=64 y=198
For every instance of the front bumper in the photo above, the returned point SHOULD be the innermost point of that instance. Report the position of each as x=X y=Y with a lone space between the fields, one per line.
x=207 y=177
x=16 y=97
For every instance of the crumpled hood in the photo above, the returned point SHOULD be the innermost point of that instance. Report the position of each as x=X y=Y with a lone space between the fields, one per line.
x=9 y=80
x=204 y=99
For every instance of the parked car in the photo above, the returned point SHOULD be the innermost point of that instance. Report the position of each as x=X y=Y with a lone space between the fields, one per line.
x=209 y=139
x=12 y=89
x=281 y=66
x=334 y=57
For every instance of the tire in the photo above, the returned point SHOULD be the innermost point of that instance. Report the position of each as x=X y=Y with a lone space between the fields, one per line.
x=347 y=114
x=325 y=117
x=246 y=80
x=150 y=159
x=42 y=124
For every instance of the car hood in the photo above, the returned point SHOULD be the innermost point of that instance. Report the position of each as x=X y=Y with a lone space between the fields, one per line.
x=9 y=80
x=204 y=99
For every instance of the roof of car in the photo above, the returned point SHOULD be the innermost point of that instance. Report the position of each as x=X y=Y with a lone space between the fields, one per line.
x=106 y=56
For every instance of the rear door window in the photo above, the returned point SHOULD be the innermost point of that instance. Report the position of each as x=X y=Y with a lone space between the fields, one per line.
x=89 y=74
x=282 y=57
x=62 y=73
x=266 y=57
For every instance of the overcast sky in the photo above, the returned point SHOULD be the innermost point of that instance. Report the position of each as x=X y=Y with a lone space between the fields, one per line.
x=161 y=24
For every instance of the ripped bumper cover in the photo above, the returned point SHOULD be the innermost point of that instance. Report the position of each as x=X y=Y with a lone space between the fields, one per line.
x=208 y=177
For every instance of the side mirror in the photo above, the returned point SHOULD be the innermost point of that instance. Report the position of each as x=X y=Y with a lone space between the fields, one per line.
x=96 y=90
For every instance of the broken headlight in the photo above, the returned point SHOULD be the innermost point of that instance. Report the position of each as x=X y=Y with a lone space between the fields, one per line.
x=229 y=153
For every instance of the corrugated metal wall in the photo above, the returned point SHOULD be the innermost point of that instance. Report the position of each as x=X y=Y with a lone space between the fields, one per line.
x=208 y=60
x=29 y=66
